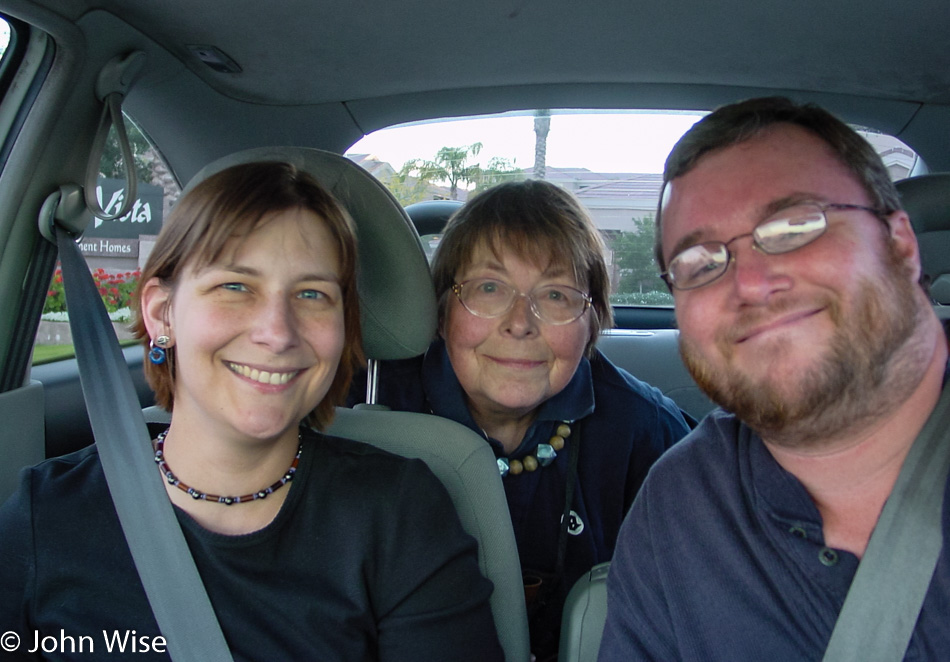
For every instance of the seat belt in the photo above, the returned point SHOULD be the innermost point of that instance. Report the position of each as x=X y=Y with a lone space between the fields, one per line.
x=889 y=587
x=164 y=563
x=172 y=584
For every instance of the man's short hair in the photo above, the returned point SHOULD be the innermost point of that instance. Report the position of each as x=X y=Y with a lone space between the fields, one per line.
x=738 y=122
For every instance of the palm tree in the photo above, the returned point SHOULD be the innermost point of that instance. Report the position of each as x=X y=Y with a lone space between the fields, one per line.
x=450 y=165
x=542 y=125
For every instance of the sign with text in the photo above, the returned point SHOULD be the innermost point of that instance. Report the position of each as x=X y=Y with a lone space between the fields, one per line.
x=145 y=216
x=108 y=247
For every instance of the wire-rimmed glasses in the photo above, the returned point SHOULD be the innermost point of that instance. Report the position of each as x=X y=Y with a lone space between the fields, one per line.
x=783 y=232
x=554 y=304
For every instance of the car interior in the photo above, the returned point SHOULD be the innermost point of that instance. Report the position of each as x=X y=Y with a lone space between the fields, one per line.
x=211 y=83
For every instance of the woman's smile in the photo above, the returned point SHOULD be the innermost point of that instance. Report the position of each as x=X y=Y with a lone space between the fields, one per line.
x=273 y=377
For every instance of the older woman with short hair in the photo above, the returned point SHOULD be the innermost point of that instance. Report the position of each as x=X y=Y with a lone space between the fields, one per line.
x=522 y=284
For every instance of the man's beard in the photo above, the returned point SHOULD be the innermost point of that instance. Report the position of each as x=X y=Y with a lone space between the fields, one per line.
x=862 y=370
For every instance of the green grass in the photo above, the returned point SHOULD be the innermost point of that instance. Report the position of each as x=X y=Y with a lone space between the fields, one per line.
x=49 y=353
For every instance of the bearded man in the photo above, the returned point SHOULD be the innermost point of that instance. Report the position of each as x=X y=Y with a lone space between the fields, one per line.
x=796 y=277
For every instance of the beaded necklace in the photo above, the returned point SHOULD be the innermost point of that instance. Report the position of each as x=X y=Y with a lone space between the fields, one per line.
x=215 y=498
x=543 y=455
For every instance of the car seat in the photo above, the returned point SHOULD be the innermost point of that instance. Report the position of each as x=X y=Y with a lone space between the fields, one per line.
x=585 y=612
x=398 y=316
x=430 y=216
x=926 y=199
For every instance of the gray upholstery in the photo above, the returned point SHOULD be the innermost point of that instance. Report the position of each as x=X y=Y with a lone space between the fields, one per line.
x=466 y=466
x=430 y=216
x=397 y=300
x=654 y=357
x=398 y=315
x=22 y=413
x=585 y=612
x=927 y=200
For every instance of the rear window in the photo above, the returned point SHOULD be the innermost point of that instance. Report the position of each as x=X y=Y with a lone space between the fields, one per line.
x=611 y=160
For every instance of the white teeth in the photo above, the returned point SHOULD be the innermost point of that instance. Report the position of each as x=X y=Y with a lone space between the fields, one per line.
x=262 y=376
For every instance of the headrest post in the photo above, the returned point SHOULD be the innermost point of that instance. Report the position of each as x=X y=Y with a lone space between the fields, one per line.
x=372 y=380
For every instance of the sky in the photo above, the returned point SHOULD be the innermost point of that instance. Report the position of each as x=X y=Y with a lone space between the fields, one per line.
x=601 y=142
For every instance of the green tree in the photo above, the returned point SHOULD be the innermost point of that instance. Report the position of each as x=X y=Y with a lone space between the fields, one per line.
x=453 y=166
x=450 y=165
x=111 y=165
x=498 y=170
x=408 y=189
x=633 y=255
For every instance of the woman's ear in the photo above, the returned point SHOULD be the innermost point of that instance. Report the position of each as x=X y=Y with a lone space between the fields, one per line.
x=156 y=309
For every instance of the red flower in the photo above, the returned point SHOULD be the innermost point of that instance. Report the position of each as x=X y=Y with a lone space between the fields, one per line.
x=114 y=291
x=102 y=291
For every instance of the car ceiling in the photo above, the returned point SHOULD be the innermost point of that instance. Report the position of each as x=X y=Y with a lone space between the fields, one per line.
x=323 y=74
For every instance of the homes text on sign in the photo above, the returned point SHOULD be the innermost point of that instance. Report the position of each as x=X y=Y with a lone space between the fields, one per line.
x=107 y=247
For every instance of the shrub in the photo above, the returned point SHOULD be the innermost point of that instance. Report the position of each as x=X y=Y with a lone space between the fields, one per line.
x=116 y=290
x=655 y=298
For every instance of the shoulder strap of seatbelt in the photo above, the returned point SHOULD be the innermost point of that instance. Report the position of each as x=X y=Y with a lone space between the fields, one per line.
x=164 y=562
x=886 y=596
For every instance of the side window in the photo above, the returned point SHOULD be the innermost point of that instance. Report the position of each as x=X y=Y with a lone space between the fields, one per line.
x=114 y=250
x=611 y=160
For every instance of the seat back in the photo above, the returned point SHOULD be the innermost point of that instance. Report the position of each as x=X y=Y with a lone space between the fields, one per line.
x=585 y=612
x=398 y=317
x=653 y=355
x=927 y=200
x=22 y=413
x=466 y=466
x=430 y=216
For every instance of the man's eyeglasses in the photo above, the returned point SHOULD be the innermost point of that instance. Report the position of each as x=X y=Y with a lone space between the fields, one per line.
x=489 y=298
x=786 y=231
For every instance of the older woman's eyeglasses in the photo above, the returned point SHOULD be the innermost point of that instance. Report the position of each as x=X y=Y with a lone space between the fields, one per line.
x=553 y=304
x=788 y=230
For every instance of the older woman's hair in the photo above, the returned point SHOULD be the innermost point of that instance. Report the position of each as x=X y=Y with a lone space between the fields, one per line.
x=540 y=223
x=234 y=203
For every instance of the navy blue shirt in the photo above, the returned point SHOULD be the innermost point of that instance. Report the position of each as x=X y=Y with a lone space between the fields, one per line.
x=622 y=425
x=723 y=558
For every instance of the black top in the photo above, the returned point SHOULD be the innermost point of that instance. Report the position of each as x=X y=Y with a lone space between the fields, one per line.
x=366 y=560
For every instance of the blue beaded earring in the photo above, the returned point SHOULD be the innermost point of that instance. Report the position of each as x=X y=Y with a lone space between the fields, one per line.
x=156 y=354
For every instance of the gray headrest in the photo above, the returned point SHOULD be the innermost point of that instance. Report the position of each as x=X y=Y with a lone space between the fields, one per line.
x=397 y=300
x=430 y=216
x=927 y=201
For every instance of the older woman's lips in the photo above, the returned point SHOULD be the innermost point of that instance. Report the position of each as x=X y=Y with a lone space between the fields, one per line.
x=517 y=364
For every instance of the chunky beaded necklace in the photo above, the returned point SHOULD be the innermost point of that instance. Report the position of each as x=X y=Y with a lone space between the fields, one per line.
x=226 y=500
x=543 y=455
